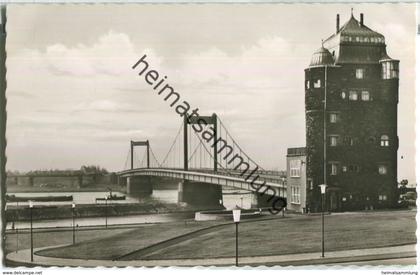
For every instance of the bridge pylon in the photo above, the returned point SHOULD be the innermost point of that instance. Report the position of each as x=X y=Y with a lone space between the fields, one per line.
x=202 y=120
x=139 y=143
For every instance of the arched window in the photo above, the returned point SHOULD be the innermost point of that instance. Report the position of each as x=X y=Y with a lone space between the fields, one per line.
x=384 y=141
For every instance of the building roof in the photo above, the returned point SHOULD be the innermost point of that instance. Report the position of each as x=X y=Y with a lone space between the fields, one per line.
x=356 y=32
x=321 y=57
x=353 y=43
x=297 y=151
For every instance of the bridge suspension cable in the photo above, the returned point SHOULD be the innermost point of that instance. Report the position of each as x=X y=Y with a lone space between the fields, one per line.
x=173 y=145
x=126 y=160
x=208 y=151
x=154 y=158
x=235 y=144
x=137 y=159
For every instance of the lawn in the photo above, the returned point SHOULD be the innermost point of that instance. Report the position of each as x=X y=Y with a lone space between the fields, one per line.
x=294 y=234
x=42 y=239
x=121 y=243
x=298 y=235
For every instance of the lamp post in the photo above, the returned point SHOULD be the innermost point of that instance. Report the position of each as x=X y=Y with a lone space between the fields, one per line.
x=73 y=207
x=236 y=218
x=31 y=206
x=323 y=191
x=106 y=212
x=16 y=227
x=282 y=188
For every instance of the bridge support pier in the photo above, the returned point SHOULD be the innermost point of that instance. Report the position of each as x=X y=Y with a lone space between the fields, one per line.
x=139 y=185
x=200 y=194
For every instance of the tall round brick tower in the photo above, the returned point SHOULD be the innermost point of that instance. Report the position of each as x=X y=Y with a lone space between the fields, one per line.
x=351 y=99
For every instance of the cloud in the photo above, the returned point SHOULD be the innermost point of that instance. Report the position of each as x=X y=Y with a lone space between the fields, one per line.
x=250 y=73
x=112 y=54
x=98 y=105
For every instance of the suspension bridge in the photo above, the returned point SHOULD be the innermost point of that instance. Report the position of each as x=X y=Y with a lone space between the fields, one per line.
x=202 y=158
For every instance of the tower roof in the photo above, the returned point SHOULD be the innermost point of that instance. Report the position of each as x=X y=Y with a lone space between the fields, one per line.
x=321 y=57
x=355 y=43
x=354 y=31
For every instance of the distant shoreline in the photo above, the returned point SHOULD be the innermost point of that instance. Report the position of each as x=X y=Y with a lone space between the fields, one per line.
x=98 y=188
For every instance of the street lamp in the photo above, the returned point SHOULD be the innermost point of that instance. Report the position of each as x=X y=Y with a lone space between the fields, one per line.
x=16 y=226
x=236 y=218
x=323 y=191
x=106 y=212
x=31 y=206
x=73 y=207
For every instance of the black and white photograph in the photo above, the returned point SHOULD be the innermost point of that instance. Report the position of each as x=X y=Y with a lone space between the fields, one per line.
x=224 y=135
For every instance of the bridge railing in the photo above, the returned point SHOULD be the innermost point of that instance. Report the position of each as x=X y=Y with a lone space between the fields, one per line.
x=268 y=176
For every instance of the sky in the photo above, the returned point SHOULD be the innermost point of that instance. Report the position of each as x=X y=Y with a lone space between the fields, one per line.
x=73 y=98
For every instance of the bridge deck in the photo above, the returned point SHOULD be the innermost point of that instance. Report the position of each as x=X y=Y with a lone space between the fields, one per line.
x=208 y=176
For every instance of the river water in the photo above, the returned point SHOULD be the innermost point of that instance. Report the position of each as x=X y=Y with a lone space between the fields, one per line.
x=231 y=198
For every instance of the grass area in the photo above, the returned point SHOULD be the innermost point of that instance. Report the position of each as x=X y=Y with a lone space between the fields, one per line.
x=110 y=247
x=295 y=234
x=299 y=235
x=42 y=239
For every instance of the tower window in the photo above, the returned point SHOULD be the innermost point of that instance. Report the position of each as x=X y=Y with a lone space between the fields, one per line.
x=390 y=69
x=343 y=95
x=365 y=96
x=308 y=84
x=311 y=184
x=382 y=169
x=348 y=141
x=333 y=140
x=353 y=95
x=333 y=169
x=354 y=168
x=382 y=197
x=333 y=118
x=371 y=140
x=317 y=84
x=384 y=141
x=360 y=73
x=344 y=168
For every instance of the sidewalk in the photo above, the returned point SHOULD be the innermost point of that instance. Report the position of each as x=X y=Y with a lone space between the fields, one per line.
x=404 y=251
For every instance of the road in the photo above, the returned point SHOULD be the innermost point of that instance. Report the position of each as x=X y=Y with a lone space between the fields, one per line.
x=398 y=261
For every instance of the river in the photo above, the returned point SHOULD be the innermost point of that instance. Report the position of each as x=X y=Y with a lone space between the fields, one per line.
x=231 y=198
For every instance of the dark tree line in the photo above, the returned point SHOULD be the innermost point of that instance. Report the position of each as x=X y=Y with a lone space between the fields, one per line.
x=84 y=170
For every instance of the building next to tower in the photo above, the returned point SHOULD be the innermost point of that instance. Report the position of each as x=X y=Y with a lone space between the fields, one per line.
x=351 y=99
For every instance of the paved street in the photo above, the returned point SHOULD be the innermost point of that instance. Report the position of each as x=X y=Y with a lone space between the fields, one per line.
x=356 y=255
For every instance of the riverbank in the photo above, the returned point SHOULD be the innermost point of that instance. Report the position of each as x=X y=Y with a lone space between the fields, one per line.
x=46 y=189
x=23 y=213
